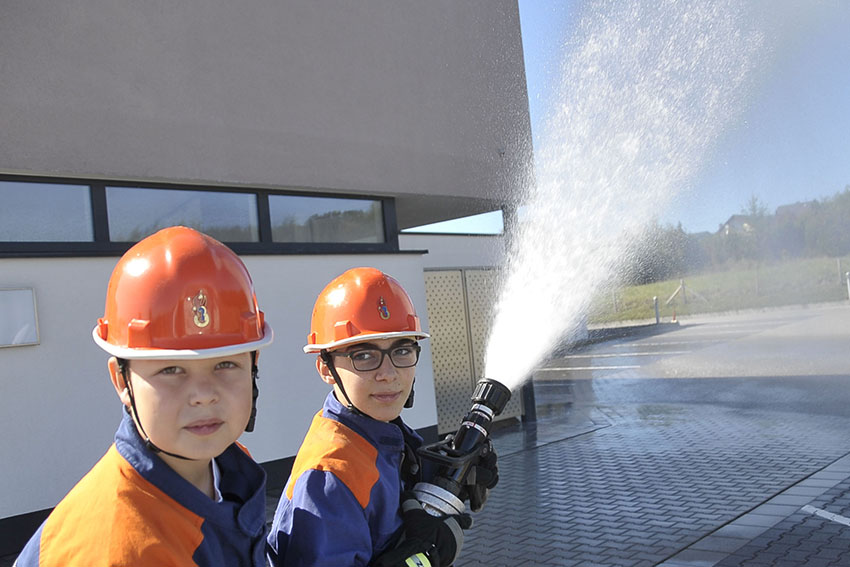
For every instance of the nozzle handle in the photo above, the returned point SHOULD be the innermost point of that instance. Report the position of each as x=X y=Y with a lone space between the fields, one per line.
x=444 y=453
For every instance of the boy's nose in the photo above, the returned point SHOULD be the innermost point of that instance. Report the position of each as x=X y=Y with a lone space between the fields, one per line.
x=387 y=370
x=202 y=390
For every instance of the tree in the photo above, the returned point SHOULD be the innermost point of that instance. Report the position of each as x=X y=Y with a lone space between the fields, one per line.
x=755 y=208
x=664 y=252
x=825 y=231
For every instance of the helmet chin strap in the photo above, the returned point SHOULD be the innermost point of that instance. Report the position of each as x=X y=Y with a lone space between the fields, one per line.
x=328 y=360
x=124 y=368
x=255 y=392
x=125 y=374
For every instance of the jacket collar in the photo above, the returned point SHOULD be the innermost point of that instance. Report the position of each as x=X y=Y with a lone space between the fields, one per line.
x=241 y=477
x=390 y=434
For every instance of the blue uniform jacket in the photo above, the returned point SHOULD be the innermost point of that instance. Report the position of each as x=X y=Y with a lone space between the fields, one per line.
x=131 y=509
x=341 y=506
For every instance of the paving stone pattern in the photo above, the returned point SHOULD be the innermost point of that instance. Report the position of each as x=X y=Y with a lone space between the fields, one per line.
x=656 y=480
x=635 y=485
x=802 y=538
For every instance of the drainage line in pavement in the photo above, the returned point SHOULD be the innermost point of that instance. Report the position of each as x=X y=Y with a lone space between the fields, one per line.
x=826 y=515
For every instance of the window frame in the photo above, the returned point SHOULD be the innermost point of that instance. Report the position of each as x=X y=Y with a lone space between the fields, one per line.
x=101 y=245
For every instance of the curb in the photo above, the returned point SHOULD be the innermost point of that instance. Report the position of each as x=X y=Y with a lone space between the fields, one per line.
x=602 y=334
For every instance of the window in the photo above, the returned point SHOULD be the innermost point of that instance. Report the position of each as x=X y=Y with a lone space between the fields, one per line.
x=137 y=212
x=45 y=212
x=43 y=216
x=324 y=219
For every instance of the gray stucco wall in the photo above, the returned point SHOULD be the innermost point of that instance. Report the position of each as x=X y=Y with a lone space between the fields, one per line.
x=408 y=98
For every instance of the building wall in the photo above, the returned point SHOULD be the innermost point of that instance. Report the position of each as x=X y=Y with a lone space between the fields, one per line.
x=58 y=411
x=404 y=98
x=421 y=101
x=456 y=250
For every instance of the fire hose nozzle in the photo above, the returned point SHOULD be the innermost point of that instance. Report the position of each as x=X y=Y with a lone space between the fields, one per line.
x=491 y=394
x=458 y=453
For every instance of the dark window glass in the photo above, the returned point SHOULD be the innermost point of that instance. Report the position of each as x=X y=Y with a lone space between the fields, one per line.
x=328 y=220
x=134 y=213
x=42 y=212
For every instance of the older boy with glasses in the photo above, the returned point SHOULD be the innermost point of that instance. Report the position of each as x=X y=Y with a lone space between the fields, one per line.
x=342 y=506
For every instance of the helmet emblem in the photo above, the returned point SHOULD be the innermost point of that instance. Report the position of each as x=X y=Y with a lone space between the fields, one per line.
x=199 y=307
x=383 y=311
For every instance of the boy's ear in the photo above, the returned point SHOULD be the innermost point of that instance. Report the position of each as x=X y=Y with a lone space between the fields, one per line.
x=324 y=371
x=118 y=381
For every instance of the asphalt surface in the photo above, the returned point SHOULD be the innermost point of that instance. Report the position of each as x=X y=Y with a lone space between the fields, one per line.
x=720 y=441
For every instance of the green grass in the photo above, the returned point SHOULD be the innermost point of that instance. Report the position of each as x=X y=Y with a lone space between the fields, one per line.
x=794 y=282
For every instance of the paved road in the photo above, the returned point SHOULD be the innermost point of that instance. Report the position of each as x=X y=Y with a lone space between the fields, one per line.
x=681 y=448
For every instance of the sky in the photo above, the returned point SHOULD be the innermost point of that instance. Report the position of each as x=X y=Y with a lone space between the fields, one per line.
x=790 y=144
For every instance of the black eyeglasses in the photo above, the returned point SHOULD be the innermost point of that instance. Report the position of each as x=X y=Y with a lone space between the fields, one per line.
x=365 y=359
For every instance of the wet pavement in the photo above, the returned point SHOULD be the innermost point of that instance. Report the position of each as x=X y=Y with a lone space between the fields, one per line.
x=656 y=485
x=816 y=535
x=721 y=442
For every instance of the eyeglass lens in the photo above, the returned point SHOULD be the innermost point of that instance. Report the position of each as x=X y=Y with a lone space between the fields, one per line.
x=371 y=358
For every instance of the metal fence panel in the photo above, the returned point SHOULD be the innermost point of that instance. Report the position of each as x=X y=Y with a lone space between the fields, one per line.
x=460 y=304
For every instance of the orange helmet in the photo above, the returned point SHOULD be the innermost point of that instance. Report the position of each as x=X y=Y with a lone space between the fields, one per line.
x=180 y=294
x=359 y=305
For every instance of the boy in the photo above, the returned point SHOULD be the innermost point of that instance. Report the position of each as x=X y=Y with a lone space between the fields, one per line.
x=183 y=328
x=342 y=504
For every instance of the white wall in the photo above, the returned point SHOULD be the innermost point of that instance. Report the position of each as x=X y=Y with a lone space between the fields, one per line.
x=456 y=251
x=58 y=410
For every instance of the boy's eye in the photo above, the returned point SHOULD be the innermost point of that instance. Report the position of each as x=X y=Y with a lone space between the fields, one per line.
x=402 y=351
x=363 y=355
x=226 y=364
x=170 y=370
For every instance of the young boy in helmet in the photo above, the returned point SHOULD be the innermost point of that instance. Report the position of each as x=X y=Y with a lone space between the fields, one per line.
x=342 y=504
x=183 y=328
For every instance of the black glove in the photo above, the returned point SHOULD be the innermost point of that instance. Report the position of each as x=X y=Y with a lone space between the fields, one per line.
x=437 y=540
x=482 y=476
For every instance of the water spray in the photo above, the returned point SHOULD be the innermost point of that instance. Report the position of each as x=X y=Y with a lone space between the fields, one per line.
x=456 y=454
x=645 y=91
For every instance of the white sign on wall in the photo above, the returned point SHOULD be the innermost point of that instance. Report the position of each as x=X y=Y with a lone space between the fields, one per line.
x=18 y=321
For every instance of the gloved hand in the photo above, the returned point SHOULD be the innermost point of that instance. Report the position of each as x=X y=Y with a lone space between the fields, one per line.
x=482 y=476
x=432 y=541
